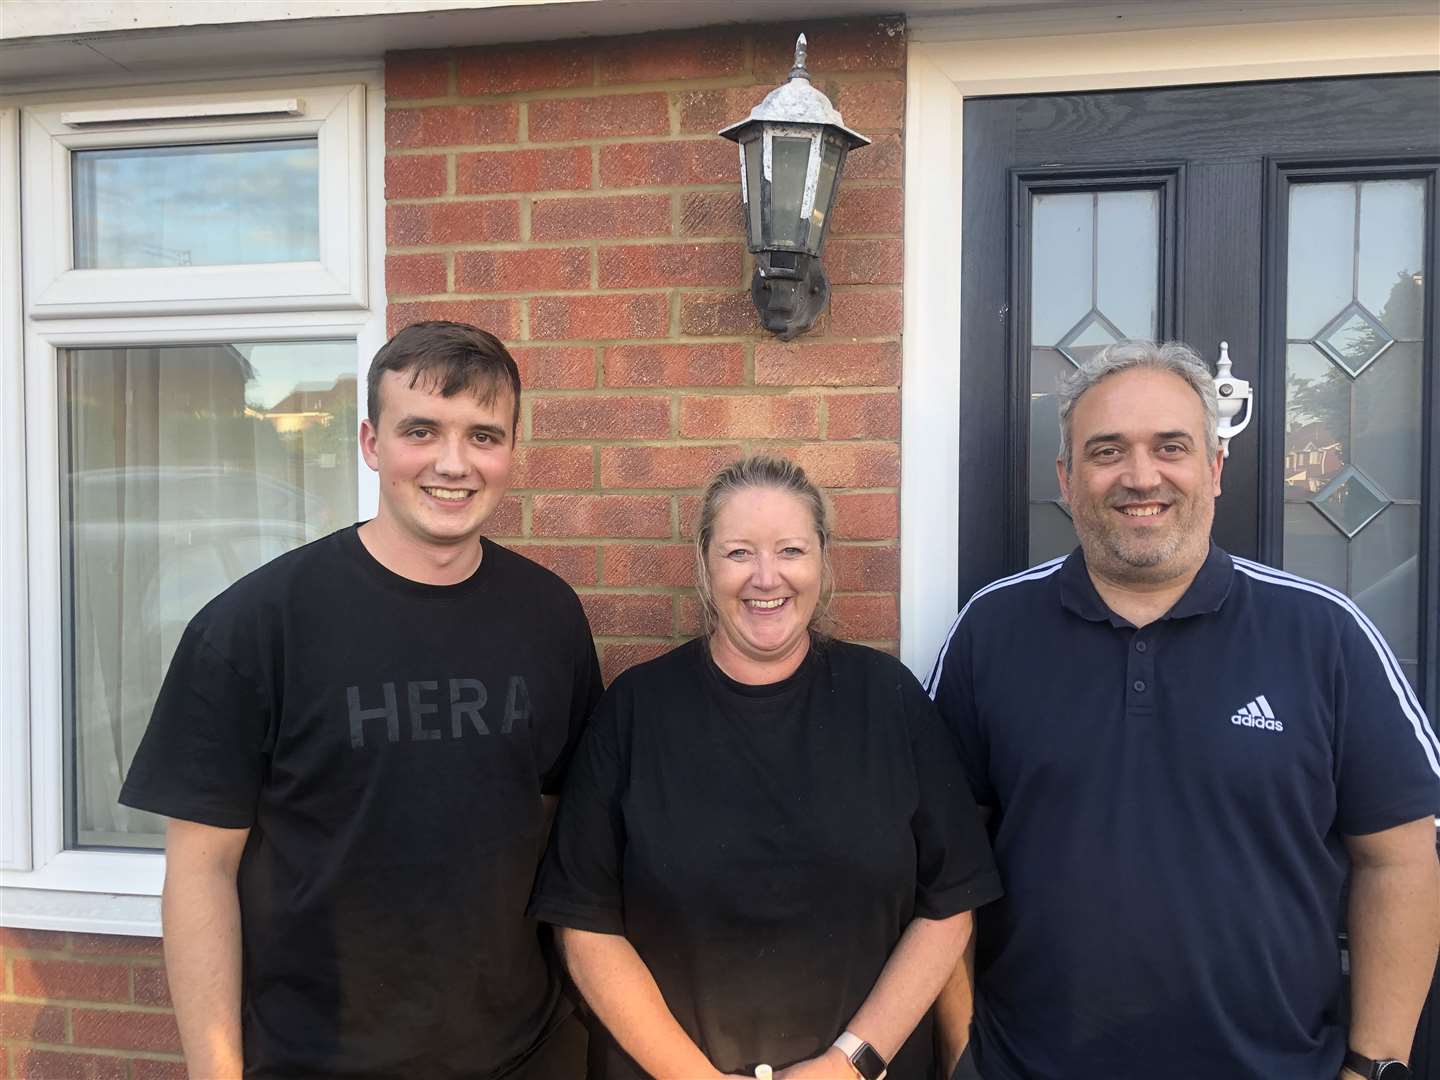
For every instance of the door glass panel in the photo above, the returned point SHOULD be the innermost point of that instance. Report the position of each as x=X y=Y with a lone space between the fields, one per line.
x=184 y=467
x=1094 y=280
x=208 y=205
x=1353 y=393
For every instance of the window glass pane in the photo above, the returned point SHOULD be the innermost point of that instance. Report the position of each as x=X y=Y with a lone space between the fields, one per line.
x=789 y=160
x=185 y=467
x=824 y=193
x=1127 y=233
x=1062 y=258
x=1353 y=393
x=208 y=205
x=754 y=162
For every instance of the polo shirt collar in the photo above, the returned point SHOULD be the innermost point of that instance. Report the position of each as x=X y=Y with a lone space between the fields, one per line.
x=1205 y=595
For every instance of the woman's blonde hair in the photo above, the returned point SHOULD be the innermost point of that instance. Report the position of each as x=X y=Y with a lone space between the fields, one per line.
x=776 y=474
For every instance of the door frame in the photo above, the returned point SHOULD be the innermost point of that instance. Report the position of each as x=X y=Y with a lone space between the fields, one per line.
x=992 y=59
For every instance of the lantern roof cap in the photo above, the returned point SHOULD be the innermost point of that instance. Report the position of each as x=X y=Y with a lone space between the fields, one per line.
x=796 y=101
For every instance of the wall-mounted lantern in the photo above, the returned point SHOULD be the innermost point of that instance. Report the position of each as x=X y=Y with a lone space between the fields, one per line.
x=792 y=152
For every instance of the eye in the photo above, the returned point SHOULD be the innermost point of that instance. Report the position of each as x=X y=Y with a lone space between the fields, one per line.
x=737 y=553
x=793 y=552
x=1105 y=453
x=1173 y=449
x=483 y=437
x=418 y=433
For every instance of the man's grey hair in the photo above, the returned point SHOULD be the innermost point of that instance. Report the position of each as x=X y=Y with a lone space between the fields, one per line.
x=1173 y=356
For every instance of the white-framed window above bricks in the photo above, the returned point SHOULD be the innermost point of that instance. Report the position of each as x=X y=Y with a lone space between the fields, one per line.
x=182 y=380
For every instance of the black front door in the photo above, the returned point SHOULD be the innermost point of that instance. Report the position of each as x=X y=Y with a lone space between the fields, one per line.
x=1295 y=221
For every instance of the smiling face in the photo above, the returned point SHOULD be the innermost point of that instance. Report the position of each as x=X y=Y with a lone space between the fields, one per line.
x=444 y=462
x=1142 y=487
x=765 y=566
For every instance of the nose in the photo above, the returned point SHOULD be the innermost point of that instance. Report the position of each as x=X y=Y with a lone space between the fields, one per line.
x=766 y=574
x=451 y=460
x=1142 y=473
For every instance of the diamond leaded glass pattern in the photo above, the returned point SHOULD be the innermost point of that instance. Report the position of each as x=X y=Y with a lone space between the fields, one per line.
x=1354 y=340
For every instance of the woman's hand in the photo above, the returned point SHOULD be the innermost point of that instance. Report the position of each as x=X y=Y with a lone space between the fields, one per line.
x=831 y=1065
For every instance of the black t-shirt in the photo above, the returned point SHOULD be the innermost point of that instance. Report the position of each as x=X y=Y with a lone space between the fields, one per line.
x=764 y=847
x=387 y=743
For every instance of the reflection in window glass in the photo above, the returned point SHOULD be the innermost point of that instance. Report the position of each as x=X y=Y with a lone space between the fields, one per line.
x=208 y=205
x=1094 y=280
x=1354 y=425
x=185 y=467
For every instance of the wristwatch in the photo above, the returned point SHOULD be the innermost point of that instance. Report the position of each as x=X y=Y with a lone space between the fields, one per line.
x=867 y=1062
x=1376 y=1068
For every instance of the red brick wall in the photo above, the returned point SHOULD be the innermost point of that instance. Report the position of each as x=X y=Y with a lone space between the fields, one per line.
x=573 y=198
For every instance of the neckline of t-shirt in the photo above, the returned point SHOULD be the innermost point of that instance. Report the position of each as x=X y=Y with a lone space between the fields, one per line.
x=382 y=574
x=758 y=691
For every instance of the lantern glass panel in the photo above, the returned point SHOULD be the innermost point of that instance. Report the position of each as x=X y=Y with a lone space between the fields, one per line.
x=830 y=155
x=754 y=196
x=789 y=164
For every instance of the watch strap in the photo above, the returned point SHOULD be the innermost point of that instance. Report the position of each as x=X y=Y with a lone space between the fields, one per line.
x=1376 y=1069
x=863 y=1058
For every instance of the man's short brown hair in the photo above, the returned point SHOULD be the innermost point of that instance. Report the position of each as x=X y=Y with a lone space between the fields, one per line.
x=449 y=357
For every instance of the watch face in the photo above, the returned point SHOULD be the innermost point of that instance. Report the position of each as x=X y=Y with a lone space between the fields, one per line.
x=869 y=1064
x=1392 y=1070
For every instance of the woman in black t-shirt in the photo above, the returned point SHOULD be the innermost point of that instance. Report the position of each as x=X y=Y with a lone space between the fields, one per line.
x=766 y=851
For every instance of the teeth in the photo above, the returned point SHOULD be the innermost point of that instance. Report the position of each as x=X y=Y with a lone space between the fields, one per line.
x=766 y=604
x=1141 y=511
x=449 y=494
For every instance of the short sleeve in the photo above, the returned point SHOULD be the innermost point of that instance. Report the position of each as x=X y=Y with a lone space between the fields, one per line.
x=579 y=883
x=203 y=756
x=955 y=870
x=953 y=691
x=1388 y=760
x=585 y=690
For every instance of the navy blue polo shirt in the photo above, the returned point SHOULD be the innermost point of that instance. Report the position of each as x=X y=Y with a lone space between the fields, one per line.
x=1168 y=812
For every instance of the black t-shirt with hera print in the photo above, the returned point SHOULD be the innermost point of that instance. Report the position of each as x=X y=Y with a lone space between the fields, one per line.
x=764 y=847
x=387 y=743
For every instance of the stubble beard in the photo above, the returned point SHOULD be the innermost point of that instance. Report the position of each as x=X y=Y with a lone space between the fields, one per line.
x=1116 y=552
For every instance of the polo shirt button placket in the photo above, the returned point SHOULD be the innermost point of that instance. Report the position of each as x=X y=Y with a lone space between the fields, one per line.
x=1140 y=674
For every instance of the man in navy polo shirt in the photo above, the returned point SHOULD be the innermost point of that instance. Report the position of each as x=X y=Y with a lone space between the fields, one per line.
x=1183 y=754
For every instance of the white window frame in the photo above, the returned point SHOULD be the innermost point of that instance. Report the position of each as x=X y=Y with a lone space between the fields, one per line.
x=334 y=115
x=42 y=884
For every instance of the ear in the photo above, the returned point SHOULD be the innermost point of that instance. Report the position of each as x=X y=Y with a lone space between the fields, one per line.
x=368 y=438
x=1216 y=468
x=1064 y=478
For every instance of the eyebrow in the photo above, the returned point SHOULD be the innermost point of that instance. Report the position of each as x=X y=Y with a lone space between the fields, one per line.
x=1159 y=436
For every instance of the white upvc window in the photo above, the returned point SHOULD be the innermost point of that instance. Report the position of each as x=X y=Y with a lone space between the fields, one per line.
x=182 y=379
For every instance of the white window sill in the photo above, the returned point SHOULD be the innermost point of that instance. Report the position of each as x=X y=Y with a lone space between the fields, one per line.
x=63 y=894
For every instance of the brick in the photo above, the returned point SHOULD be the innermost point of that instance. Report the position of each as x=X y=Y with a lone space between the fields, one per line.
x=12 y=937
x=757 y=416
x=157 y=1069
x=883 y=159
x=694 y=161
x=688 y=512
x=865 y=262
x=573 y=562
x=494 y=171
x=553 y=467
x=649 y=564
x=601 y=515
x=662 y=466
x=718 y=314
x=510 y=69
x=712 y=213
x=32 y=1023
x=506 y=519
x=555 y=367
x=865 y=568
x=527 y=270
x=867 y=515
x=125 y=1030
x=867 y=210
x=619 y=656
x=862 y=416
x=705 y=112
x=63 y=1065
x=70 y=980
x=663 y=57
x=630 y=266
x=419 y=74
x=629 y=614
x=612 y=315
x=688 y=621
x=842 y=45
x=151 y=986
x=675 y=365
x=500 y=317
x=609 y=117
x=849 y=465
x=469 y=222
x=867 y=618
x=600 y=417
x=866 y=312
x=871 y=106
x=416 y=176
x=451 y=125
x=116 y=945
x=615 y=217
x=414 y=275
x=824 y=363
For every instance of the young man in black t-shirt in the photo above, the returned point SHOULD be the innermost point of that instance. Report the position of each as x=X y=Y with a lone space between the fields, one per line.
x=357 y=745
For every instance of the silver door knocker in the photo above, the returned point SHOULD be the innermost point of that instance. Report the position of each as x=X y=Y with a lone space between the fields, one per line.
x=1234 y=394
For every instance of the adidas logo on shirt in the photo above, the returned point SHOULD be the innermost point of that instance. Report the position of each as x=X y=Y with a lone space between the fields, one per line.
x=1257 y=714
